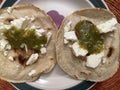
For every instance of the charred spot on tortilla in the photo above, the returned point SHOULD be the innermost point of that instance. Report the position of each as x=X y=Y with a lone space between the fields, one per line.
x=88 y=54
x=22 y=59
x=49 y=28
x=110 y=52
x=22 y=56
x=8 y=20
x=81 y=58
x=89 y=36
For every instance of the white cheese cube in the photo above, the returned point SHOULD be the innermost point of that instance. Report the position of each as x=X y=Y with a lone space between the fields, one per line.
x=5 y=53
x=66 y=41
x=70 y=36
x=104 y=60
x=107 y=26
x=78 y=51
x=3 y=44
x=11 y=58
x=30 y=18
x=21 y=22
x=31 y=72
x=33 y=27
x=9 y=9
x=33 y=58
x=68 y=26
x=4 y=26
x=43 y=50
x=39 y=32
x=94 y=60
x=18 y=22
x=8 y=47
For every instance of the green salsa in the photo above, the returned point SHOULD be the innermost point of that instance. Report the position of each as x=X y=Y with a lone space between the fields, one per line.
x=89 y=37
x=16 y=37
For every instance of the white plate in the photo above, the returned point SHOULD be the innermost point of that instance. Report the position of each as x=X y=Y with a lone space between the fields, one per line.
x=57 y=79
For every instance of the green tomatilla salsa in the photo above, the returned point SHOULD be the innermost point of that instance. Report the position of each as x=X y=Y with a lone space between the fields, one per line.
x=89 y=37
x=16 y=37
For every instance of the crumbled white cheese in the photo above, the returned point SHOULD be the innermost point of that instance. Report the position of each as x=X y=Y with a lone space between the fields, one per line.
x=70 y=36
x=21 y=22
x=23 y=45
x=78 y=51
x=33 y=58
x=18 y=67
x=35 y=27
x=94 y=60
x=104 y=60
x=18 y=22
x=43 y=50
x=42 y=45
x=68 y=26
x=3 y=44
x=1 y=17
x=4 y=26
x=40 y=32
x=31 y=72
x=11 y=58
x=107 y=26
x=30 y=18
x=70 y=46
x=5 y=53
x=9 y=9
x=66 y=41
x=49 y=35
x=8 y=47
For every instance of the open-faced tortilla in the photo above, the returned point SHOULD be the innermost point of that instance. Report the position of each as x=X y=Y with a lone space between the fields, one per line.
x=78 y=66
x=26 y=62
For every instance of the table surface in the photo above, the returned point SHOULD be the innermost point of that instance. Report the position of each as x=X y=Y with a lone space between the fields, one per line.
x=111 y=84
